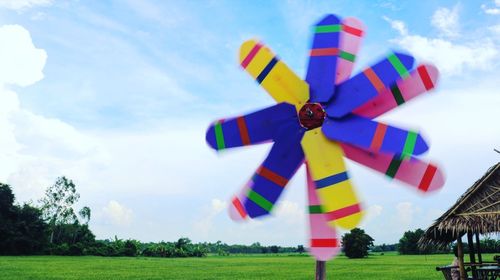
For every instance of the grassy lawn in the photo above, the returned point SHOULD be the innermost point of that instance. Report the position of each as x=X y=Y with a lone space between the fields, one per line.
x=388 y=266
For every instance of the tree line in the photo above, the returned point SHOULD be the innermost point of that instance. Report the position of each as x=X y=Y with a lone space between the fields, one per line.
x=54 y=227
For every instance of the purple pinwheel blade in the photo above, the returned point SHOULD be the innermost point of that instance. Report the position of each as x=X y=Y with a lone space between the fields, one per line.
x=374 y=136
x=253 y=128
x=323 y=59
x=358 y=90
x=272 y=176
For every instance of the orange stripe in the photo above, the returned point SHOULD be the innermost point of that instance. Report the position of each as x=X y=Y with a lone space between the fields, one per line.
x=374 y=79
x=324 y=52
x=242 y=126
x=237 y=204
x=378 y=137
x=273 y=177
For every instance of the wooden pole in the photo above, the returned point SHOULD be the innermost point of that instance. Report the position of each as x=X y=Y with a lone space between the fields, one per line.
x=460 y=253
x=320 y=270
x=472 y=253
x=478 y=244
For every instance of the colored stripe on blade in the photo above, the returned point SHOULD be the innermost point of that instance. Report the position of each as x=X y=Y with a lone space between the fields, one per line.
x=331 y=180
x=330 y=242
x=378 y=137
x=427 y=178
x=239 y=207
x=327 y=28
x=266 y=70
x=424 y=75
x=242 y=126
x=396 y=63
x=374 y=79
x=260 y=200
x=394 y=166
x=219 y=136
x=352 y=30
x=343 y=212
x=315 y=209
x=272 y=176
x=411 y=140
x=324 y=52
x=251 y=55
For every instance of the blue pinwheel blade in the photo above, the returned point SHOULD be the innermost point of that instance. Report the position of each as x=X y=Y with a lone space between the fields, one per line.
x=272 y=176
x=374 y=136
x=323 y=59
x=358 y=90
x=253 y=128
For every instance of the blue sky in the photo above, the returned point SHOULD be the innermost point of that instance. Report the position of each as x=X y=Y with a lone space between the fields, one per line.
x=117 y=96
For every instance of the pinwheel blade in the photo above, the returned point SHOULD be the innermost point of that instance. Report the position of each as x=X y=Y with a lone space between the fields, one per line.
x=366 y=85
x=323 y=242
x=374 y=136
x=350 y=41
x=323 y=59
x=253 y=128
x=424 y=176
x=338 y=199
x=273 y=74
x=421 y=80
x=273 y=175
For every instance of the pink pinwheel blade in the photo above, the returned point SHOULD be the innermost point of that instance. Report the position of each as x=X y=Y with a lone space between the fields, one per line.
x=323 y=243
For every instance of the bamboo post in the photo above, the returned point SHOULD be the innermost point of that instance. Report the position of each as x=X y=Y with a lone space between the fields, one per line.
x=320 y=270
x=460 y=253
x=472 y=253
x=478 y=246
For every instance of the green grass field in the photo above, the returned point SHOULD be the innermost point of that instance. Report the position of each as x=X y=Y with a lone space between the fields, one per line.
x=388 y=266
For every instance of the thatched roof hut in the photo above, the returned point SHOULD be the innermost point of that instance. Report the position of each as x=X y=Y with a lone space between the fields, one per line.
x=476 y=211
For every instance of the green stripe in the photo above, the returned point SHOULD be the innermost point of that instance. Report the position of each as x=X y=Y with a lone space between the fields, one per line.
x=393 y=166
x=396 y=63
x=219 y=136
x=347 y=56
x=315 y=209
x=327 y=28
x=397 y=95
x=260 y=200
x=411 y=139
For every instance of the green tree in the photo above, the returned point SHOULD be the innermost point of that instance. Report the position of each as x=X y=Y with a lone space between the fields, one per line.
x=300 y=249
x=85 y=214
x=57 y=205
x=408 y=244
x=356 y=243
x=22 y=229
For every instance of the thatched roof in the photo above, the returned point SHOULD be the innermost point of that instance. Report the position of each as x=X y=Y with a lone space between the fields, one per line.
x=476 y=211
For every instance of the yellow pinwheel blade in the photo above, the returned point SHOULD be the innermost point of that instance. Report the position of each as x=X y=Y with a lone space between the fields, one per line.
x=273 y=74
x=339 y=201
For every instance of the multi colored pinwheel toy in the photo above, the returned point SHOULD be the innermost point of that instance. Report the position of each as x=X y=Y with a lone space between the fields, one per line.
x=320 y=120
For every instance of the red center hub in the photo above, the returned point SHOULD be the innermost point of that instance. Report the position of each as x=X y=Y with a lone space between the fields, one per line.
x=311 y=115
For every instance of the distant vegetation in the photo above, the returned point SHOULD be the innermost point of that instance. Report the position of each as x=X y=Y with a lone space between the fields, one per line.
x=53 y=227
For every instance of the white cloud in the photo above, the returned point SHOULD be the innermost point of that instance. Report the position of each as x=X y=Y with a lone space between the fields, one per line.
x=21 y=63
x=397 y=25
x=20 y=5
x=404 y=214
x=290 y=212
x=206 y=223
x=35 y=149
x=492 y=10
x=118 y=214
x=447 y=21
x=451 y=58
